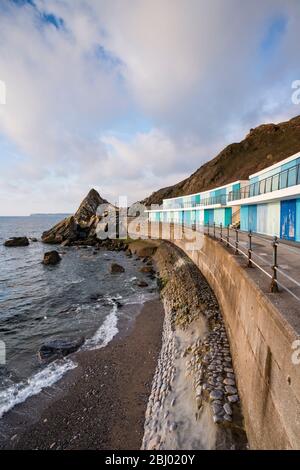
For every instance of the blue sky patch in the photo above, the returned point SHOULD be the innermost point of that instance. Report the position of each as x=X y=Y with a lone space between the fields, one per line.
x=49 y=18
x=274 y=35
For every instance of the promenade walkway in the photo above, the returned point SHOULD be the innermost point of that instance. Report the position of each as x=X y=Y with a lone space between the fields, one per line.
x=287 y=300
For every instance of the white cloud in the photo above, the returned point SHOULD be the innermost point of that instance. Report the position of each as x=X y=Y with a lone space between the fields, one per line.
x=196 y=70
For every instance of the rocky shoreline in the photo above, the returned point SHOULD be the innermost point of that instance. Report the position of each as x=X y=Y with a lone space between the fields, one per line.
x=194 y=402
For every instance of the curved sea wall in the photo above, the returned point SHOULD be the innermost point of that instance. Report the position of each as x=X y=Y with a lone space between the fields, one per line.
x=261 y=346
x=194 y=402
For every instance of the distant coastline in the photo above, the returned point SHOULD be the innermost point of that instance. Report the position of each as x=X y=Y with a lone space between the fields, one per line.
x=60 y=215
x=50 y=215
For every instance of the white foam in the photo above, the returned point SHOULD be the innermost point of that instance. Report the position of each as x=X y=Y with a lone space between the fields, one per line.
x=19 y=392
x=107 y=330
x=140 y=298
x=76 y=281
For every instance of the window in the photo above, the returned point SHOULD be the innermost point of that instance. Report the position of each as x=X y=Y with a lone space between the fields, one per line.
x=275 y=182
x=246 y=192
x=283 y=179
x=269 y=185
x=292 y=176
x=262 y=186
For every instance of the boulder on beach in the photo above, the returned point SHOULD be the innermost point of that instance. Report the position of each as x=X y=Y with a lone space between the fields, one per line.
x=116 y=268
x=17 y=241
x=59 y=348
x=51 y=257
x=143 y=250
x=33 y=239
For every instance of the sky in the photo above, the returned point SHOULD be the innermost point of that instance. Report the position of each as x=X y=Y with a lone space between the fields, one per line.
x=128 y=96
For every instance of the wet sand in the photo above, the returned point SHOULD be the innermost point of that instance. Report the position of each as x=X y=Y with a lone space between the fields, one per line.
x=99 y=405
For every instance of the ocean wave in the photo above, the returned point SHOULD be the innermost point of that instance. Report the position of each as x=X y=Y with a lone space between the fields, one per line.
x=16 y=393
x=19 y=392
x=107 y=330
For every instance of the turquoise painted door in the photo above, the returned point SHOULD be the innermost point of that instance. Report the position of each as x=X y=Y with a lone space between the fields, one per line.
x=288 y=219
x=228 y=216
x=208 y=216
x=245 y=218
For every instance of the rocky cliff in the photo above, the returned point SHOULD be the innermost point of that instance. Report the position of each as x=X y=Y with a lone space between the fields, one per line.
x=78 y=227
x=263 y=146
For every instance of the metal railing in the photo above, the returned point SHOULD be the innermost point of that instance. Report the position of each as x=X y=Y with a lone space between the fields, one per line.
x=281 y=180
x=223 y=234
x=209 y=201
x=232 y=239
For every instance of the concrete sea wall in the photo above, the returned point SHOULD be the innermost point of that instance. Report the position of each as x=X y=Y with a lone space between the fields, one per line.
x=194 y=402
x=261 y=347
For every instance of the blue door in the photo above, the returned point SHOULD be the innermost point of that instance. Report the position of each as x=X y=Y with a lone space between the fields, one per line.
x=252 y=218
x=244 y=218
x=288 y=219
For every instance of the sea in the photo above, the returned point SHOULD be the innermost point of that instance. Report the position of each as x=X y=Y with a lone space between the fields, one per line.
x=78 y=297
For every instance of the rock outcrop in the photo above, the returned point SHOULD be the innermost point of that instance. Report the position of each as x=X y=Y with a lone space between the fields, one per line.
x=88 y=208
x=116 y=268
x=17 y=241
x=79 y=227
x=51 y=258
